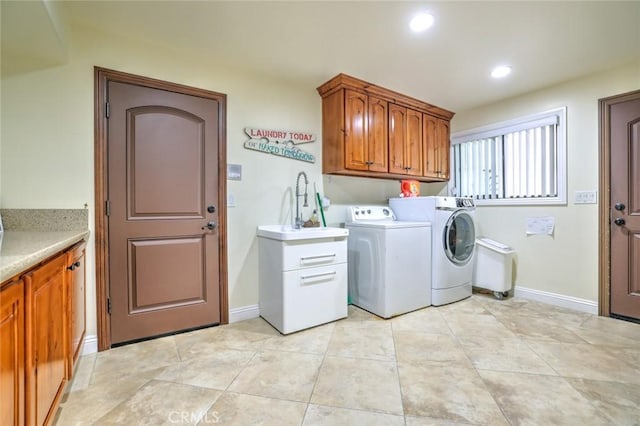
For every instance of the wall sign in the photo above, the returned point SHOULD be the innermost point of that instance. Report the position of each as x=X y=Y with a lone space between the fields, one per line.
x=280 y=142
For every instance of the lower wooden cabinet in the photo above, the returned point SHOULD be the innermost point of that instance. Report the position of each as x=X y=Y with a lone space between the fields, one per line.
x=12 y=344
x=42 y=326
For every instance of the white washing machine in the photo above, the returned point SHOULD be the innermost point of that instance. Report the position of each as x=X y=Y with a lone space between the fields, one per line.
x=453 y=242
x=389 y=261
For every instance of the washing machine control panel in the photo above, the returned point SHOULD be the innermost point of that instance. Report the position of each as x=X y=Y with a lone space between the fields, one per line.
x=465 y=202
x=356 y=213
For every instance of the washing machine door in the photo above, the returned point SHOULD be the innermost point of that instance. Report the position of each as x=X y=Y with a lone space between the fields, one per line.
x=459 y=237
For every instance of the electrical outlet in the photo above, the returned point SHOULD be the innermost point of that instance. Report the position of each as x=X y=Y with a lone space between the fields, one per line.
x=586 y=197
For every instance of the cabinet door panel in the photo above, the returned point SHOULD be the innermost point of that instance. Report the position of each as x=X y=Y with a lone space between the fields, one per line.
x=444 y=148
x=12 y=354
x=413 y=143
x=47 y=340
x=378 y=135
x=430 y=145
x=355 y=141
x=397 y=136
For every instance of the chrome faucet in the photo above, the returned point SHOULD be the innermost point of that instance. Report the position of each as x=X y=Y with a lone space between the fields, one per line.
x=299 y=220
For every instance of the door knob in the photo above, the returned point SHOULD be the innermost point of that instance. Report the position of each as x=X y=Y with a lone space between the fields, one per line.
x=619 y=221
x=619 y=206
x=210 y=226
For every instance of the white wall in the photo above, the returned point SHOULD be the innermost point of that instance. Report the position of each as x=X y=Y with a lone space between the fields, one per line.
x=567 y=262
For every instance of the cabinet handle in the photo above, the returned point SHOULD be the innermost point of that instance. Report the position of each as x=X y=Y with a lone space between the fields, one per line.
x=73 y=266
x=326 y=274
x=317 y=258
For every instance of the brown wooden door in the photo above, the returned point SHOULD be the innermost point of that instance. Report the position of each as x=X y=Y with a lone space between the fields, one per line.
x=413 y=144
x=377 y=135
x=12 y=342
x=397 y=137
x=355 y=140
x=47 y=348
x=625 y=207
x=162 y=191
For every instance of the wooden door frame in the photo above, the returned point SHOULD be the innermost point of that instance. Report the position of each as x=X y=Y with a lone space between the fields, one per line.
x=102 y=77
x=604 y=244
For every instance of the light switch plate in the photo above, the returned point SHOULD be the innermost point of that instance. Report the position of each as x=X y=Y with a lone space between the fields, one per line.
x=231 y=200
x=586 y=197
x=234 y=171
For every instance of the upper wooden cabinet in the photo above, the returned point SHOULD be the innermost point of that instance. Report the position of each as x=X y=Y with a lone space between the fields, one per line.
x=371 y=131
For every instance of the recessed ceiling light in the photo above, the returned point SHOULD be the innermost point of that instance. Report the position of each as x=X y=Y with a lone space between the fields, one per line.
x=501 y=71
x=421 y=22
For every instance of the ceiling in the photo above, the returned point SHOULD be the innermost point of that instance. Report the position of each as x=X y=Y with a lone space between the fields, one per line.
x=448 y=65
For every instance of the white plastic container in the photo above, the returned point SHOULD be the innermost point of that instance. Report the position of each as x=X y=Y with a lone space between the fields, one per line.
x=492 y=268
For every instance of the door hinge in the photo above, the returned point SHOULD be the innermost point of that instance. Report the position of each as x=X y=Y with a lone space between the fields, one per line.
x=107 y=207
x=109 y=306
x=107 y=110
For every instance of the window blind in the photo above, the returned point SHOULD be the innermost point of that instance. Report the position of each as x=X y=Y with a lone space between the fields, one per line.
x=518 y=160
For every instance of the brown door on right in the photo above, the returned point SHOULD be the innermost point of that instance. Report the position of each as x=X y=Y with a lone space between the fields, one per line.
x=625 y=206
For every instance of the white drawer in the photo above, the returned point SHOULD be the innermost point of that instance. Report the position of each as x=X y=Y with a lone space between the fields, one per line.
x=310 y=255
x=314 y=296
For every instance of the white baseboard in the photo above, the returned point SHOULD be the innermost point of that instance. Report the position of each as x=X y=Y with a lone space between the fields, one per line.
x=90 y=345
x=570 y=302
x=243 y=313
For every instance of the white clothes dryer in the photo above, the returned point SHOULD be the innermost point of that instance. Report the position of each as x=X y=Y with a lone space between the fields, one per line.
x=453 y=242
x=389 y=261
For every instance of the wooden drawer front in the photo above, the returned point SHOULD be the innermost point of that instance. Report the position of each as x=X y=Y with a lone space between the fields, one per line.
x=314 y=296
x=296 y=255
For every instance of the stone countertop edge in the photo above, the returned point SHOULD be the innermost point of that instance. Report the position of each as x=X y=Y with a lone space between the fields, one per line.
x=22 y=250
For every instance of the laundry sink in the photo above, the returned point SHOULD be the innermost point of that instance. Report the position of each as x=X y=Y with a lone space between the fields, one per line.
x=287 y=232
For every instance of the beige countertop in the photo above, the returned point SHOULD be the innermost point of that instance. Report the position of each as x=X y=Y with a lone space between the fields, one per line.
x=20 y=250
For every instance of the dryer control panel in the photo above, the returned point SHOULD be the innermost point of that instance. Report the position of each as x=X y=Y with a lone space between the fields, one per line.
x=370 y=213
x=464 y=202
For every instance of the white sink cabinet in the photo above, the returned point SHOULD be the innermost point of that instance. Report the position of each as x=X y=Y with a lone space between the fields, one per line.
x=302 y=279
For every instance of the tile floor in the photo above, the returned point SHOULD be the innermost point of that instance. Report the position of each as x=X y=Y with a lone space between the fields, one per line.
x=480 y=362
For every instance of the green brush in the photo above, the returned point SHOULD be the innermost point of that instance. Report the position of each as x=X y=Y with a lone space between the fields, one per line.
x=324 y=222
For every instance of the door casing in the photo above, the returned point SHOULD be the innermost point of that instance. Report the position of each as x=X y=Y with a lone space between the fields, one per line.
x=604 y=243
x=101 y=78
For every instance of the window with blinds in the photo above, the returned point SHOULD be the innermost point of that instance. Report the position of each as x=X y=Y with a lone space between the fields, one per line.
x=521 y=161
